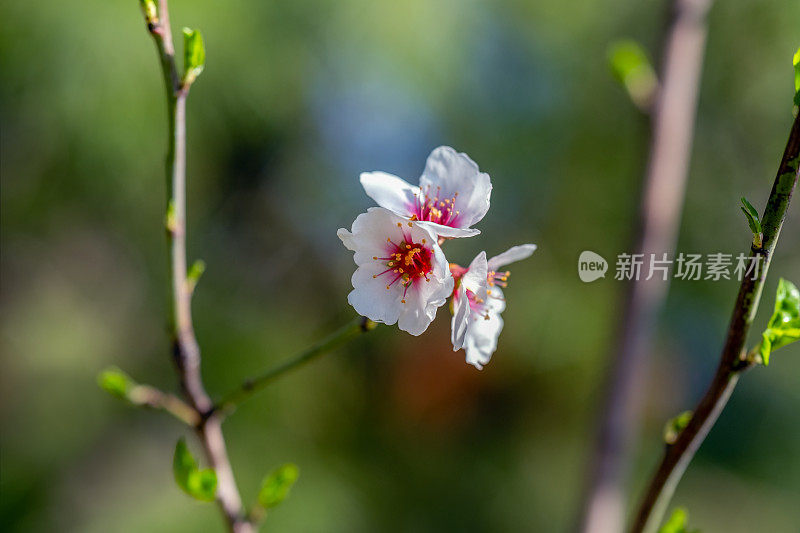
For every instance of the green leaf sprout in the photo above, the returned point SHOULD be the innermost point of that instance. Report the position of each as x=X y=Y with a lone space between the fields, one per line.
x=115 y=382
x=753 y=221
x=631 y=67
x=199 y=484
x=784 y=325
x=150 y=11
x=275 y=487
x=675 y=425
x=194 y=55
x=677 y=522
x=194 y=274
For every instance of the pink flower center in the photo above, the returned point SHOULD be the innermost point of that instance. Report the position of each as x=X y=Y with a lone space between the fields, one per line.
x=430 y=207
x=407 y=262
x=477 y=305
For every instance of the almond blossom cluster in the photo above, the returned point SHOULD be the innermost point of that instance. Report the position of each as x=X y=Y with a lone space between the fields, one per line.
x=403 y=276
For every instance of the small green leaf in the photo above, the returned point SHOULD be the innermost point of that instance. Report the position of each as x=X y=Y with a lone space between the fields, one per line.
x=193 y=276
x=784 y=325
x=199 y=484
x=677 y=522
x=275 y=487
x=194 y=55
x=796 y=63
x=150 y=10
x=183 y=464
x=631 y=67
x=115 y=382
x=752 y=216
x=748 y=208
x=170 y=221
x=675 y=425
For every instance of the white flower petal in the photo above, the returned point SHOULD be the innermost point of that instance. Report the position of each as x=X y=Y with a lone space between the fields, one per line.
x=475 y=278
x=452 y=172
x=371 y=299
x=369 y=233
x=390 y=192
x=460 y=320
x=448 y=231
x=512 y=255
x=496 y=300
x=481 y=340
x=347 y=239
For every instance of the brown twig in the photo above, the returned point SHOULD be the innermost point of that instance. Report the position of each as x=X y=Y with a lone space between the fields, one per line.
x=186 y=351
x=147 y=396
x=659 y=220
x=733 y=360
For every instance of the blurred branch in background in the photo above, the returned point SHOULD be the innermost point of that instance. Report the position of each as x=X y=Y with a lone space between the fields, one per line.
x=673 y=117
x=734 y=359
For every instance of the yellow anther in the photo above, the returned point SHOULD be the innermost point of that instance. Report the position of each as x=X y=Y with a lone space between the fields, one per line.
x=424 y=241
x=399 y=225
x=374 y=257
x=410 y=225
x=402 y=301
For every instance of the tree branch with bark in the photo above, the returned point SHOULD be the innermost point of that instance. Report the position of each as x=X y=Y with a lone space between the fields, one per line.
x=735 y=359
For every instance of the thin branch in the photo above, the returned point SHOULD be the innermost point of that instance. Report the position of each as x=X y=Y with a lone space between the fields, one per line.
x=186 y=351
x=733 y=360
x=151 y=397
x=659 y=219
x=332 y=341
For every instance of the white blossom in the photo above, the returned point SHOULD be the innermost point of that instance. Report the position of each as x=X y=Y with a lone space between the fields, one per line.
x=452 y=194
x=402 y=275
x=478 y=301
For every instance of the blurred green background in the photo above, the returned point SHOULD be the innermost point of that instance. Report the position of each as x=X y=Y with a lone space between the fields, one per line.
x=392 y=433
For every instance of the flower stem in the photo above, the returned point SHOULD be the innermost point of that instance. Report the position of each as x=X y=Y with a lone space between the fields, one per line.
x=250 y=386
x=186 y=351
x=733 y=360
